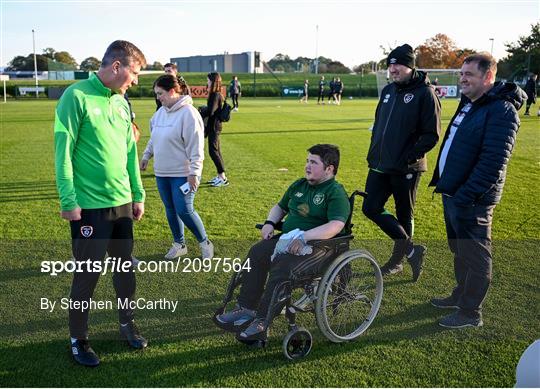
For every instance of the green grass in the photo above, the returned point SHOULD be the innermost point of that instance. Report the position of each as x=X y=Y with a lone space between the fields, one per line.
x=403 y=347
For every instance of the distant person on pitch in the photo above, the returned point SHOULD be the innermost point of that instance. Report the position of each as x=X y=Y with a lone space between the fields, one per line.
x=235 y=90
x=332 y=91
x=339 y=90
x=530 y=89
x=322 y=83
x=304 y=98
x=213 y=128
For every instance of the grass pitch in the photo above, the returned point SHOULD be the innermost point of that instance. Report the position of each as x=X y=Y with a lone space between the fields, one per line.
x=264 y=147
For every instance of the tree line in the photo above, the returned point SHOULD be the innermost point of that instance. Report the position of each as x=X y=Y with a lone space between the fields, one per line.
x=51 y=59
x=438 y=52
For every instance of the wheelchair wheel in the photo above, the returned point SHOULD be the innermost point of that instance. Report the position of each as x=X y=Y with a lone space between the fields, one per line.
x=349 y=296
x=297 y=343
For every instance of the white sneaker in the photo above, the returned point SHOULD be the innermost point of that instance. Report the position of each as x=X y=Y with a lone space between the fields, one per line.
x=176 y=250
x=213 y=180
x=220 y=182
x=235 y=110
x=207 y=249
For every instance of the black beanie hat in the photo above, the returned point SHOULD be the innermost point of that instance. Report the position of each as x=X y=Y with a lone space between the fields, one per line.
x=402 y=55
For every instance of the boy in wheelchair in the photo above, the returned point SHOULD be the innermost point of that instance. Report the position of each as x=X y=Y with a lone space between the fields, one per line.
x=317 y=207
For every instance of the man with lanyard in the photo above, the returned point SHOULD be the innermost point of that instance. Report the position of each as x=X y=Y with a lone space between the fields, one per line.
x=100 y=188
x=407 y=126
x=470 y=173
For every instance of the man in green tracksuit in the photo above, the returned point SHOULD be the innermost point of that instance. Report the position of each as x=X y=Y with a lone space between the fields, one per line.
x=100 y=188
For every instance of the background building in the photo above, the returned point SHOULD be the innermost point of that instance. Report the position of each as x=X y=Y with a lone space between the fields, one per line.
x=224 y=63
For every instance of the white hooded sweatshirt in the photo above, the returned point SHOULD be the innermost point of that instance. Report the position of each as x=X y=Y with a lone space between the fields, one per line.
x=176 y=140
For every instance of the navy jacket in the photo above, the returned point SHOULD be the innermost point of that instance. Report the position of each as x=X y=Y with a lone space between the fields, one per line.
x=475 y=168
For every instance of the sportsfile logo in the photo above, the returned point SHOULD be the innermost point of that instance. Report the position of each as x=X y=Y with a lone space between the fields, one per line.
x=117 y=265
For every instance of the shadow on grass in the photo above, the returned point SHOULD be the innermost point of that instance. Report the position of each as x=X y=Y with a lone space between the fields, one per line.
x=19 y=274
x=27 y=191
x=27 y=185
x=183 y=359
x=27 y=120
x=353 y=120
x=18 y=198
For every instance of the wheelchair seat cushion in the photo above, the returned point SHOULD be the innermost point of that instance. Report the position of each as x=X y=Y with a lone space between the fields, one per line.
x=314 y=266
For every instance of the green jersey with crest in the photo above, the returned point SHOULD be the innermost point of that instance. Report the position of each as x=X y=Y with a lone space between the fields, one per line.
x=309 y=206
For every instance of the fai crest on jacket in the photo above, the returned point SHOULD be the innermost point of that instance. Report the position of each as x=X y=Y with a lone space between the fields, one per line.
x=87 y=231
x=408 y=97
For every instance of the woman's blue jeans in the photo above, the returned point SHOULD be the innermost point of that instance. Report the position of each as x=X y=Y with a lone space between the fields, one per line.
x=179 y=208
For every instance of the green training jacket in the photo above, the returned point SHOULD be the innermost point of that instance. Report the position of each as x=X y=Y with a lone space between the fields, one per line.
x=95 y=152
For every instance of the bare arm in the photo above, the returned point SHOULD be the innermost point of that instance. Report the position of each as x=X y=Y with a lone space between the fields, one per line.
x=275 y=215
x=326 y=231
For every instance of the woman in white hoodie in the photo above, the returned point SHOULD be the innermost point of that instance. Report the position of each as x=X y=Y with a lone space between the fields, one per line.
x=177 y=145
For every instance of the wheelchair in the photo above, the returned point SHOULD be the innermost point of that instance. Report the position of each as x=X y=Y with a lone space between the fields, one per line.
x=345 y=294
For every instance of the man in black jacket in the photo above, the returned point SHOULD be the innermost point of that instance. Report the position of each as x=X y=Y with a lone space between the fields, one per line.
x=168 y=68
x=470 y=174
x=530 y=89
x=407 y=126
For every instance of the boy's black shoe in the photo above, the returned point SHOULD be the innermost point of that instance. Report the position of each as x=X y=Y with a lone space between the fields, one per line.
x=83 y=354
x=417 y=260
x=131 y=333
x=256 y=334
x=236 y=320
x=445 y=303
x=459 y=320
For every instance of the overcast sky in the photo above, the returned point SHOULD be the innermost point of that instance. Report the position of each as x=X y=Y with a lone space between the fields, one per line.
x=349 y=31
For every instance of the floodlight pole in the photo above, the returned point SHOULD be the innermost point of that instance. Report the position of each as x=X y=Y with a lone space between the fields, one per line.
x=255 y=74
x=317 y=49
x=491 y=39
x=35 y=62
